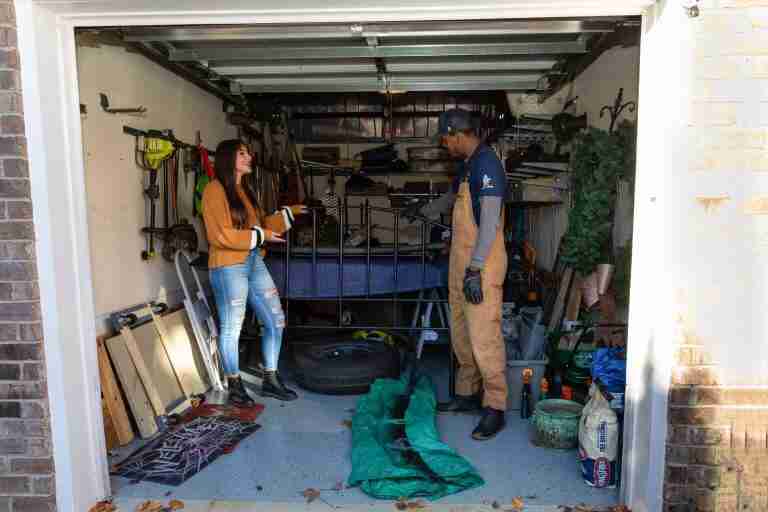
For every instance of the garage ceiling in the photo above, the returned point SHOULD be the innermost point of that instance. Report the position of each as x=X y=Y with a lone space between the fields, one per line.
x=511 y=55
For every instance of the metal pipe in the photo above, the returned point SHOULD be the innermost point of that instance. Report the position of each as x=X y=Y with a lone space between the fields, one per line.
x=395 y=260
x=314 y=252
x=286 y=290
x=341 y=261
x=367 y=249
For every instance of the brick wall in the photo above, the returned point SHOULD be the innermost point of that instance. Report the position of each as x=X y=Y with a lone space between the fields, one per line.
x=717 y=444
x=717 y=441
x=26 y=463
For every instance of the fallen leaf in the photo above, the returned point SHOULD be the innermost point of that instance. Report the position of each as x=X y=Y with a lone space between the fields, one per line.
x=339 y=486
x=103 y=506
x=495 y=505
x=517 y=504
x=176 y=505
x=150 y=506
x=347 y=423
x=311 y=494
x=404 y=504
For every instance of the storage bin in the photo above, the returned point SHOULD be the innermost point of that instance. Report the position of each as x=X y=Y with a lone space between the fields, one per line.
x=515 y=381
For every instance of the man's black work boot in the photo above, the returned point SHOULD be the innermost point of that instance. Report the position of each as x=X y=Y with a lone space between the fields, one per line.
x=272 y=386
x=238 y=396
x=490 y=424
x=461 y=403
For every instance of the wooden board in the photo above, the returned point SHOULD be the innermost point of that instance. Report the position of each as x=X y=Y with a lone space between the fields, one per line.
x=158 y=366
x=141 y=368
x=135 y=394
x=574 y=300
x=180 y=343
x=109 y=427
x=113 y=400
x=556 y=318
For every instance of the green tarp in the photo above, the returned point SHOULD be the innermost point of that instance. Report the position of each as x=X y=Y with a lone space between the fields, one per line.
x=386 y=472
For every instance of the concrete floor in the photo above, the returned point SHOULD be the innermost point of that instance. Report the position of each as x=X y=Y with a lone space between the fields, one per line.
x=305 y=444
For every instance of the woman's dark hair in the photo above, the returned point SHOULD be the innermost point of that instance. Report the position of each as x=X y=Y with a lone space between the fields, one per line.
x=224 y=168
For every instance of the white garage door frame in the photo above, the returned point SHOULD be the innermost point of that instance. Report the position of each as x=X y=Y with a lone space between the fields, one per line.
x=51 y=105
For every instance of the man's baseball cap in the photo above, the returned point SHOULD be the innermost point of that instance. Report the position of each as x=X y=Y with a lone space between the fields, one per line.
x=454 y=120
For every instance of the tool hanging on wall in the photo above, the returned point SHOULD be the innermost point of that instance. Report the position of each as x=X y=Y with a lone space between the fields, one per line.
x=154 y=151
x=150 y=158
x=204 y=173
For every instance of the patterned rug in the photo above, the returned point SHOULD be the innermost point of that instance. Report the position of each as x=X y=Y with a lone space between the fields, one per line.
x=184 y=451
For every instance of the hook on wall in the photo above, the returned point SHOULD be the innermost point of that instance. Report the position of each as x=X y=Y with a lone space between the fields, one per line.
x=617 y=108
x=105 y=106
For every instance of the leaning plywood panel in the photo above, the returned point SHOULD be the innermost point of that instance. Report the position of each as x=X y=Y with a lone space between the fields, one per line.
x=112 y=398
x=110 y=434
x=160 y=373
x=562 y=294
x=135 y=394
x=179 y=340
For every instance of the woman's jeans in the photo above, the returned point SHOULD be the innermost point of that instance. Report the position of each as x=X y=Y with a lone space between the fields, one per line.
x=233 y=285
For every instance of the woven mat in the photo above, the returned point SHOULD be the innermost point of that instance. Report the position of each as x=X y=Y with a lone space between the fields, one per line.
x=179 y=453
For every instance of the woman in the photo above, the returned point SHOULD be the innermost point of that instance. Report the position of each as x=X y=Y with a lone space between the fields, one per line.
x=237 y=229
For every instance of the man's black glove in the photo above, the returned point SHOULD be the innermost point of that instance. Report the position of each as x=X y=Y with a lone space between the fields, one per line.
x=473 y=286
x=411 y=212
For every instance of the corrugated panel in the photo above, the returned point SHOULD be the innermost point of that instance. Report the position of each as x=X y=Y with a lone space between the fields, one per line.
x=546 y=226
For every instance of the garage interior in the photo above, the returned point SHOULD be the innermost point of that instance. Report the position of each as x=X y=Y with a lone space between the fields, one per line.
x=343 y=118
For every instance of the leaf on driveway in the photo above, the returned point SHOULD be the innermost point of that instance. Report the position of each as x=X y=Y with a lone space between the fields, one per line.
x=176 y=505
x=150 y=506
x=347 y=423
x=103 y=506
x=404 y=504
x=310 y=494
x=517 y=504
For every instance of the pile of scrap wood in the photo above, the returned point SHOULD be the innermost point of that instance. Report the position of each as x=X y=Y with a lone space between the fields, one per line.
x=564 y=307
x=155 y=367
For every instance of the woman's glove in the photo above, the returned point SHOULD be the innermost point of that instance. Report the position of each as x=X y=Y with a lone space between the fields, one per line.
x=473 y=286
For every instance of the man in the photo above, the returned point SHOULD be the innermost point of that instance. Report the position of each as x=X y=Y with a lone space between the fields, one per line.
x=478 y=266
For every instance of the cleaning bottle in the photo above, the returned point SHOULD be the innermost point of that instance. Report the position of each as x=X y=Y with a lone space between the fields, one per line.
x=525 y=398
x=543 y=389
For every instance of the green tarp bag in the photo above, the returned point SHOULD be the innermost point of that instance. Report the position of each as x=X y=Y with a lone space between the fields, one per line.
x=385 y=470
